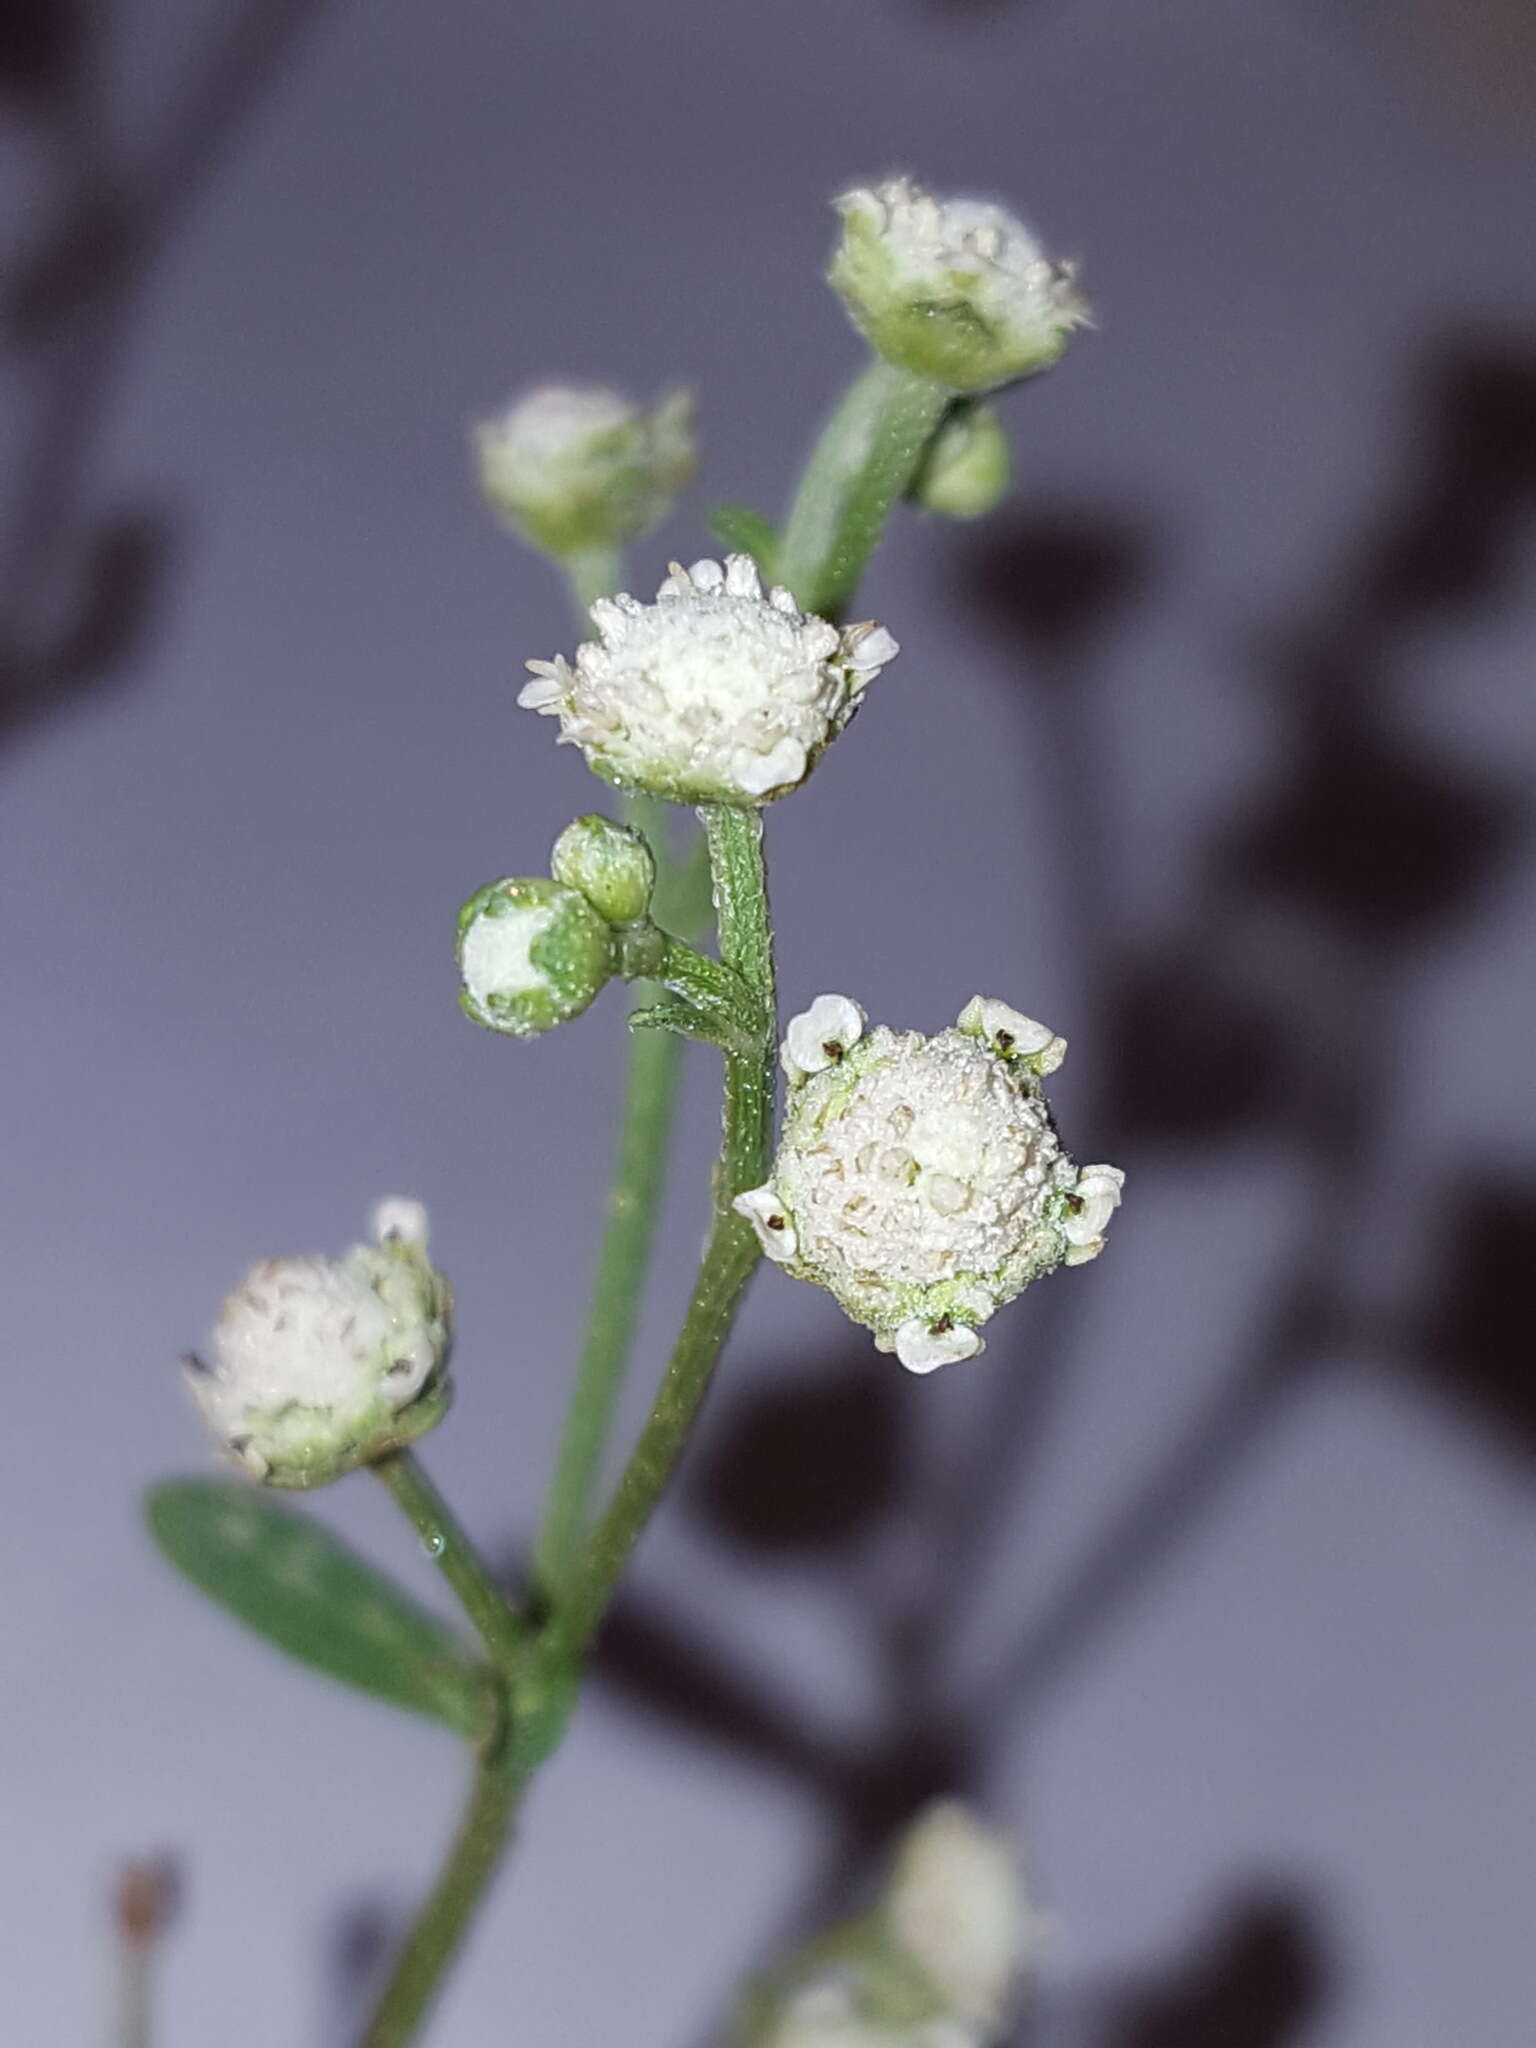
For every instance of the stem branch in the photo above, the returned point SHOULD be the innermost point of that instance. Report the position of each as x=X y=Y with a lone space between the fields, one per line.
x=868 y=454
x=734 y=839
x=478 y=1848
x=455 y=1556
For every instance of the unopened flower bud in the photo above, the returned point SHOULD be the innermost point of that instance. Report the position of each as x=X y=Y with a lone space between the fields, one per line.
x=716 y=693
x=611 y=865
x=576 y=467
x=957 y=291
x=319 y=1365
x=955 y=1902
x=921 y=1180
x=934 y=1965
x=968 y=467
x=532 y=954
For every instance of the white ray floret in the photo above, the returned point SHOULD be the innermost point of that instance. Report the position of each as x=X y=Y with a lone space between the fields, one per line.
x=819 y=1036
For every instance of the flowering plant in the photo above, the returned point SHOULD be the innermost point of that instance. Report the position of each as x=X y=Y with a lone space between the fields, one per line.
x=919 y=1179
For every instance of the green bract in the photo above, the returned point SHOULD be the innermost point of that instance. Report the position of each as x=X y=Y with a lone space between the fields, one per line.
x=532 y=954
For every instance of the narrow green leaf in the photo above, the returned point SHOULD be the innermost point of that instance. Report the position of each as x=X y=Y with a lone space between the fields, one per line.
x=290 y=1580
x=747 y=532
x=668 y=1015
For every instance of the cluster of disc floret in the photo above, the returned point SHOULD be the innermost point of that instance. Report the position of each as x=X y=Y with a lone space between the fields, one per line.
x=716 y=693
x=921 y=1180
x=319 y=1365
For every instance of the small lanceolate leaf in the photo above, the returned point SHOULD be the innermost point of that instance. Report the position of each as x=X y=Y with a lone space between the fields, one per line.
x=290 y=1580
x=748 y=533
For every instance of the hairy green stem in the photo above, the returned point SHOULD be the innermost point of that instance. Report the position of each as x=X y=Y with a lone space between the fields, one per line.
x=592 y=574
x=455 y=1556
x=652 y=1075
x=478 y=1847
x=634 y=1201
x=734 y=839
x=867 y=456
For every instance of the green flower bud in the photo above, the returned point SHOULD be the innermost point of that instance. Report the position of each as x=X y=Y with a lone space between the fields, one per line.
x=320 y=1365
x=532 y=954
x=968 y=467
x=960 y=292
x=575 y=467
x=611 y=865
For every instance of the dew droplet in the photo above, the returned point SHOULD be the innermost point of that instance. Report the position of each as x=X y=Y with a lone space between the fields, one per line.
x=434 y=1543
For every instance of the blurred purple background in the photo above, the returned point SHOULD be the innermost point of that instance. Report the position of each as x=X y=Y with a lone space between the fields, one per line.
x=1214 y=749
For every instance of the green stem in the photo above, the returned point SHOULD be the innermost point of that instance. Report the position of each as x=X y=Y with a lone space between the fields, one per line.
x=135 y=2009
x=653 y=1072
x=634 y=1202
x=868 y=454
x=734 y=839
x=591 y=575
x=455 y=1556
x=481 y=1842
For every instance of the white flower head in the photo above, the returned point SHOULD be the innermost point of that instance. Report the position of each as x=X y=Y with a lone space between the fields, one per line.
x=955 y=1901
x=532 y=954
x=958 y=291
x=319 y=1365
x=576 y=467
x=921 y=1180
x=716 y=693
